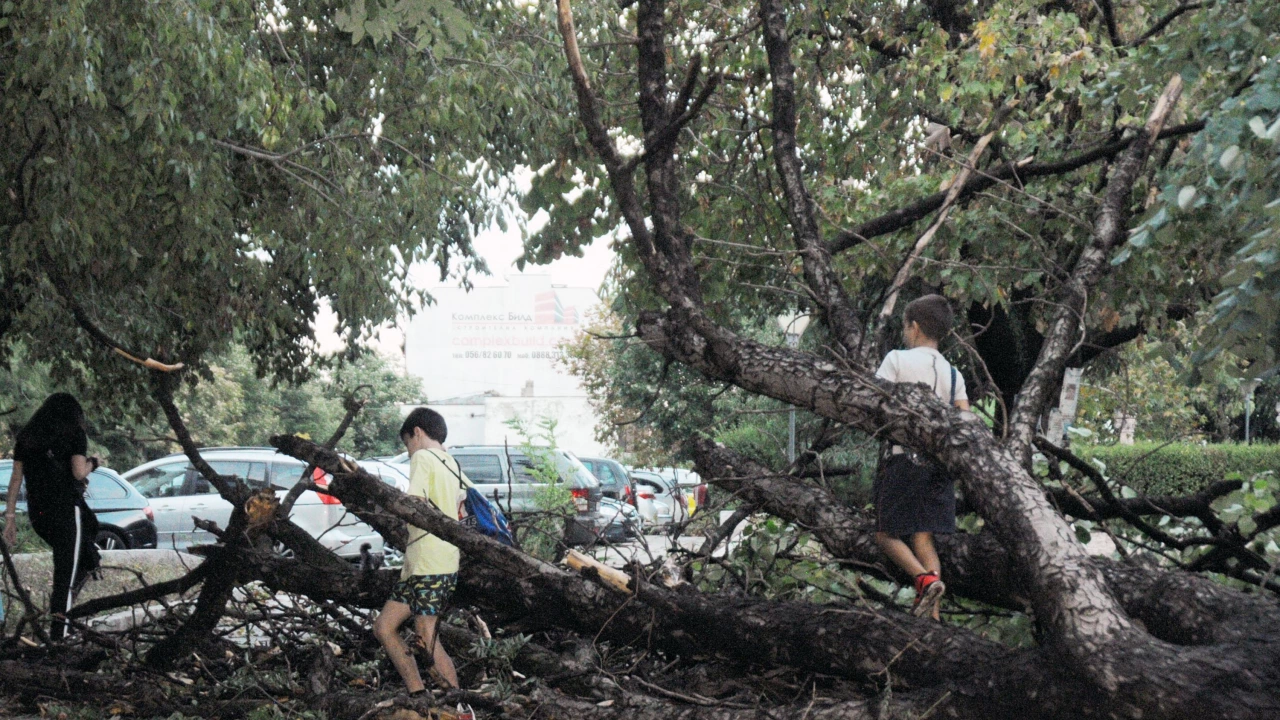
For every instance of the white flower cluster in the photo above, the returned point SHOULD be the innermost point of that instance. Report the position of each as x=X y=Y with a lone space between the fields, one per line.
x=529 y=7
x=628 y=145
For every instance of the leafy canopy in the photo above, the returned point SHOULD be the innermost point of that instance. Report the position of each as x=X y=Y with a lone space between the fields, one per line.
x=198 y=173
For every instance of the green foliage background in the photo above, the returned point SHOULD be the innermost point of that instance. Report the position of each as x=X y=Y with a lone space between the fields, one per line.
x=205 y=174
x=1181 y=468
x=236 y=407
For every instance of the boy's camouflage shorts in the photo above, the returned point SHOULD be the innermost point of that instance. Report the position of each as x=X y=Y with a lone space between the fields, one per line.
x=425 y=594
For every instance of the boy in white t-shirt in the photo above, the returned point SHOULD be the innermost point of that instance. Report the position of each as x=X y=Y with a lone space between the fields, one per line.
x=914 y=498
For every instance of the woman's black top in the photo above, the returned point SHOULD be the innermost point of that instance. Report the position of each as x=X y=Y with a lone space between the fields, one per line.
x=46 y=465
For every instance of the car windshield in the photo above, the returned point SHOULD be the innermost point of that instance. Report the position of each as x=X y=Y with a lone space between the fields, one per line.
x=572 y=469
x=161 y=481
x=568 y=467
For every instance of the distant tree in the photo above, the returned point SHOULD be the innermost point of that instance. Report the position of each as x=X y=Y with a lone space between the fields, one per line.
x=177 y=180
x=234 y=406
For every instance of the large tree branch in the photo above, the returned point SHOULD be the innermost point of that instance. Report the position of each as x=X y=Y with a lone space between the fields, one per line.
x=688 y=108
x=1096 y=507
x=1065 y=589
x=671 y=241
x=1109 y=229
x=1227 y=542
x=219 y=582
x=851 y=642
x=845 y=641
x=142 y=594
x=87 y=324
x=907 y=215
x=353 y=407
x=820 y=275
x=1159 y=25
x=162 y=387
x=668 y=279
x=1109 y=18
x=1177 y=607
x=882 y=339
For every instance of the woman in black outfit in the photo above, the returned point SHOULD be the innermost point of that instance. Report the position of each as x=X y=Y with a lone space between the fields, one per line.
x=51 y=454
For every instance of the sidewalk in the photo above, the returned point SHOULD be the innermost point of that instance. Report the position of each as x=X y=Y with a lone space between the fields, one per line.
x=122 y=570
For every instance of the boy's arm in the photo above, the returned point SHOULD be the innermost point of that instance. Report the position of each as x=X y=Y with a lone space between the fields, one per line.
x=962 y=395
x=889 y=367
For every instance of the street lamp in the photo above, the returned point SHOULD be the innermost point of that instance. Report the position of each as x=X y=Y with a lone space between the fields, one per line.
x=793 y=326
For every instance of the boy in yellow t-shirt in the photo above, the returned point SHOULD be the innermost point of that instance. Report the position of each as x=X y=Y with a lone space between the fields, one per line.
x=430 y=571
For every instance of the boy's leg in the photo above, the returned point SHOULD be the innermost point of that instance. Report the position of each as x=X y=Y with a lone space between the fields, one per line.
x=922 y=545
x=425 y=626
x=931 y=594
x=387 y=629
x=900 y=554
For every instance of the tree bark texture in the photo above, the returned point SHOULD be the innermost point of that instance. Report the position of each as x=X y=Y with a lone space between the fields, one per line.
x=1177 y=607
x=846 y=641
x=1081 y=621
x=1068 y=596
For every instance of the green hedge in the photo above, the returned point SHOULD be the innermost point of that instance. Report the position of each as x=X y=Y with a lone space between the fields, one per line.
x=1180 y=468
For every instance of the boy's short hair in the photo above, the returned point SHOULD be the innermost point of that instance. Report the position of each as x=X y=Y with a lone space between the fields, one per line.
x=431 y=422
x=933 y=313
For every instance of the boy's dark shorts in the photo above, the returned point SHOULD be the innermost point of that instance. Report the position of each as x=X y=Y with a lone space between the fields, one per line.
x=912 y=498
x=425 y=594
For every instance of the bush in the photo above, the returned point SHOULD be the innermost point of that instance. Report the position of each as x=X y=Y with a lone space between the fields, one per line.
x=1180 y=468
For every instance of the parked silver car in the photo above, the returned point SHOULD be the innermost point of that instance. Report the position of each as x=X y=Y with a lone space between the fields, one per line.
x=178 y=493
x=509 y=477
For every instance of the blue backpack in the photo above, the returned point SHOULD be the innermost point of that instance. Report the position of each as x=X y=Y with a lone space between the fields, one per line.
x=477 y=512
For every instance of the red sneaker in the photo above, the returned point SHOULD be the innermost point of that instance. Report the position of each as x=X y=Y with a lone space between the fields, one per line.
x=929 y=590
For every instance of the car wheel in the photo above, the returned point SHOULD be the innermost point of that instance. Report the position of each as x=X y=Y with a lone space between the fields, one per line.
x=110 y=540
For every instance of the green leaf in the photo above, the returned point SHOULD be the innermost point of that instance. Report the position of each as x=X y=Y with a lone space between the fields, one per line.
x=1247 y=525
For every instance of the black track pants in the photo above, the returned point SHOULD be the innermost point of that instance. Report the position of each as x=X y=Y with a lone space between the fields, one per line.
x=71 y=532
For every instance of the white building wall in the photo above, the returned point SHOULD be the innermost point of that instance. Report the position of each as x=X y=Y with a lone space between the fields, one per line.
x=575 y=422
x=466 y=423
x=497 y=347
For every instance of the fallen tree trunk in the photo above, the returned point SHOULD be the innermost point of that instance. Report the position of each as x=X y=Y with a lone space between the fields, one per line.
x=983 y=678
x=1175 y=606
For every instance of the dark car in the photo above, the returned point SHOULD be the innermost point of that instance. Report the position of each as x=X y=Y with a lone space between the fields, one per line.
x=614 y=481
x=125 y=520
